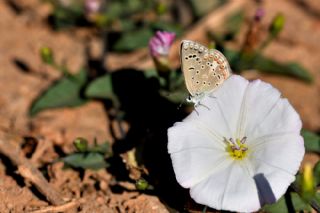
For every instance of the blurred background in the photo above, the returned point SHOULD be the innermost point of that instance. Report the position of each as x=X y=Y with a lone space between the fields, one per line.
x=89 y=88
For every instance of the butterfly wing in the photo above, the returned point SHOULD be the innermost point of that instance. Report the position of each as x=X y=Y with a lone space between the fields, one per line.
x=204 y=70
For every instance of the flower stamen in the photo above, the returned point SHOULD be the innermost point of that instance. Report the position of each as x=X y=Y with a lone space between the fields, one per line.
x=237 y=148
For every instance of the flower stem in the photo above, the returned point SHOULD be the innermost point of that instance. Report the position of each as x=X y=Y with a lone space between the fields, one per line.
x=313 y=203
x=204 y=209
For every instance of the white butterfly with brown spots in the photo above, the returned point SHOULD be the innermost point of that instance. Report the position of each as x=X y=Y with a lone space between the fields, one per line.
x=204 y=70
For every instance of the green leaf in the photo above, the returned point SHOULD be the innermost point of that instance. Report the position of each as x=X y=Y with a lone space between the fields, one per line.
x=290 y=69
x=103 y=148
x=100 y=88
x=233 y=23
x=64 y=17
x=298 y=203
x=311 y=141
x=91 y=160
x=278 y=207
x=281 y=205
x=240 y=62
x=201 y=7
x=316 y=202
x=133 y=40
x=64 y=93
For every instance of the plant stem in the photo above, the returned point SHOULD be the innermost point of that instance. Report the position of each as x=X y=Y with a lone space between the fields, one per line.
x=313 y=203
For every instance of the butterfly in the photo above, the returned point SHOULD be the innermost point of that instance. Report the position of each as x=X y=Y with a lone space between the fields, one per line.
x=204 y=70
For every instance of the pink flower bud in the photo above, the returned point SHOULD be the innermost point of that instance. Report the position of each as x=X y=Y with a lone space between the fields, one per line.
x=160 y=43
x=92 y=6
x=259 y=14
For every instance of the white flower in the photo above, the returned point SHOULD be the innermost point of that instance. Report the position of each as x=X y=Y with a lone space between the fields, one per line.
x=241 y=152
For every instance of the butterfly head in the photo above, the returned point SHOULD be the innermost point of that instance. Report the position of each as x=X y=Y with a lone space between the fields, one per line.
x=196 y=98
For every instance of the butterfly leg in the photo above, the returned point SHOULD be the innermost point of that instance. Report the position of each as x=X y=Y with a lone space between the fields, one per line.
x=195 y=109
x=200 y=104
x=211 y=96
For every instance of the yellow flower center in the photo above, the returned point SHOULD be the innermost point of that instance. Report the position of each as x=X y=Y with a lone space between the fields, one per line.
x=237 y=149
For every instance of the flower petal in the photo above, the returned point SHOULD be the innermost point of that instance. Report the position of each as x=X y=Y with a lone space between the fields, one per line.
x=183 y=136
x=224 y=107
x=265 y=112
x=231 y=189
x=188 y=145
x=278 y=158
x=191 y=167
x=259 y=100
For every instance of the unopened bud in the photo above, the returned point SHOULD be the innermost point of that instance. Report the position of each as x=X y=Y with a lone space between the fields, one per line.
x=81 y=144
x=47 y=55
x=277 y=25
x=142 y=184
x=259 y=14
x=159 y=46
x=308 y=184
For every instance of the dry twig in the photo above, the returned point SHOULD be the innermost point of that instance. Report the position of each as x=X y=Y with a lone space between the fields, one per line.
x=61 y=208
x=26 y=169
